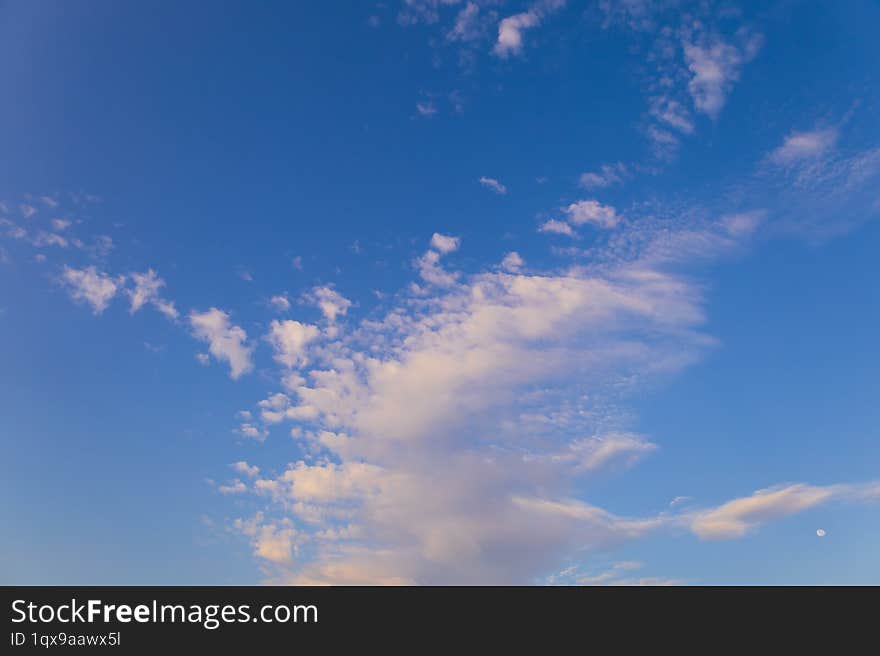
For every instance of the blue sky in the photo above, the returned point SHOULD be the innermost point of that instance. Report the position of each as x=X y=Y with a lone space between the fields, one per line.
x=439 y=291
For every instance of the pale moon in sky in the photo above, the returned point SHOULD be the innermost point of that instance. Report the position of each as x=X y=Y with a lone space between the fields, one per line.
x=821 y=532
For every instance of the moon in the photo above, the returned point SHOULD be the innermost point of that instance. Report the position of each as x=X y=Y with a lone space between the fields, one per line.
x=821 y=532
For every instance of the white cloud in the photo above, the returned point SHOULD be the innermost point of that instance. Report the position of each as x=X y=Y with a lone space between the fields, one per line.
x=280 y=303
x=799 y=146
x=44 y=238
x=203 y=359
x=274 y=542
x=512 y=262
x=715 y=65
x=235 y=487
x=226 y=341
x=468 y=26
x=146 y=290
x=510 y=29
x=243 y=468
x=61 y=224
x=426 y=108
x=91 y=286
x=253 y=432
x=596 y=452
x=743 y=223
x=332 y=303
x=27 y=211
x=671 y=112
x=557 y=227
x=290 y=340
x=592 y=211
x=436 y=441
x=444 y=243
x=494 y=185
x=429 y=266
x=608 y=175
x=510 y=33
x=738 y=517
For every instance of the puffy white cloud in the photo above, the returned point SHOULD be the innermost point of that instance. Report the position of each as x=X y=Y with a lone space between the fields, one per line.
x=332 y=303
x=280 y=303
x=61 y=224
x=592 y=211
x=272 y=541
x=494 y=185
x=512 y=262
x=439 y=451
x=253 y=432
x=556 y=226
x=242 y=467
x=510 y=29
x=510 y=33
x=290 y=340
x=91 y=286
x=799 y=146
x=444 y=243
x=429 y=264
x=146 y=290
x=226 y=341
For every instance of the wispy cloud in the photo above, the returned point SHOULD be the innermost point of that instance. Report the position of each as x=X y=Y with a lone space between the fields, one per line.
x=494 y=185
x=800 y=146
x=606 y=176
x=147 y=288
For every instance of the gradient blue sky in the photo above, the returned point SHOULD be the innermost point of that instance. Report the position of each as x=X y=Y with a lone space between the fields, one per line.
x=454 y=292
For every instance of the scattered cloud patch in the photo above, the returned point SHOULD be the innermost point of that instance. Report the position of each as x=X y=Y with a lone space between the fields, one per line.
x=226 y=341
x=91 y=286
x=607 y=176
x=594 y=212
x=290 y=339
x=146 y=290
x=556 y=226
x=280 y=303
x=494 y=185
x=799 y=146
